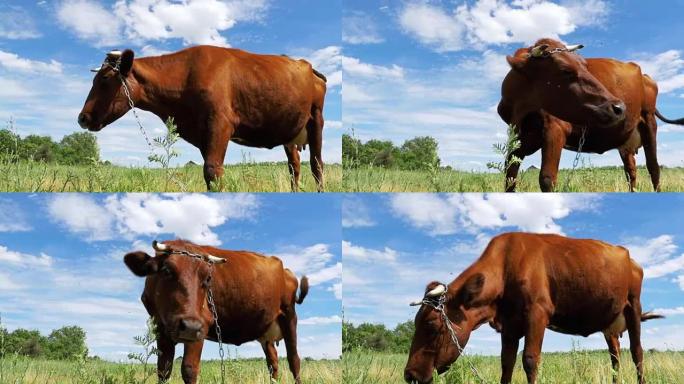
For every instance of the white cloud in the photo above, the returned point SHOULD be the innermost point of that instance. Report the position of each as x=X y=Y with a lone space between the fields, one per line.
x=24 y=259
x=355 y=214
x=669 y=311
x=17 y=24
x=320 y=320
x=449 y=214
x=7 y=284
x=355 y=67
x=81 y=214
x=337 y=290
x=666 y=68
x=358 y=253
x=193 y=21
x=328 y=61
x=656 y=255
x=680 y=280
x=13 y=62
x=315 y=261
x=331 y=273
x=491 y=22
x=359 y=28
x=12 y=219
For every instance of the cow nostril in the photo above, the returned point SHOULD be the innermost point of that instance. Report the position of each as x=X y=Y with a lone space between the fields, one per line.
x=82 y=118
x=618 y=109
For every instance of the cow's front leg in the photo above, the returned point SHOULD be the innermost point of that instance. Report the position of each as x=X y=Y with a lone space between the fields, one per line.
x=509 y=351
x=629 y=164
x=214 y=147
x=190 y=368
x=534 y=337
x=614 y=348
x=553 y=141
x=167 y=351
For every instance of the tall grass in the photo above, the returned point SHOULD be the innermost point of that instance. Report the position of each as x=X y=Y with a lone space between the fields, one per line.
x=31 y=176
x=584 y=179
x=575 y=367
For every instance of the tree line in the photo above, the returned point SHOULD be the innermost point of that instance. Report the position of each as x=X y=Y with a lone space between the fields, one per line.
x=377 y=337
x=418 y=153
x=66 y=343
x=73 y=149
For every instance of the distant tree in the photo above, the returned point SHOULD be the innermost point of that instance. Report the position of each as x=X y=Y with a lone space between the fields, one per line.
x=414 y=154
x=350 y=151
x=66 y=343
x=9 y=142
x=24 y=342
x=419 y=153
x=377 y=337
x=79 y=148
x=37 y=148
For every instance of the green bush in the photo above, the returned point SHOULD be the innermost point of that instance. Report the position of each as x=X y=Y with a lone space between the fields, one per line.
x=419 y=153
x=75 y=149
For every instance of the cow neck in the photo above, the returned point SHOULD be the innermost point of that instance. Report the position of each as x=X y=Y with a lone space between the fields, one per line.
x=153 y=90
x=475 y=316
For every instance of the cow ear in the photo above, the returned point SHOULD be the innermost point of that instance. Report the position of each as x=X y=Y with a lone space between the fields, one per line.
x=472 y=289
x=516 y=62
x=126 y=62
x=140 y=263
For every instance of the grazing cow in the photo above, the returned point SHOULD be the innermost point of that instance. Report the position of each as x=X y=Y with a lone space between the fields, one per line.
x=554 y=97
x=522 y=284
x=216 y=95
x=254 y=298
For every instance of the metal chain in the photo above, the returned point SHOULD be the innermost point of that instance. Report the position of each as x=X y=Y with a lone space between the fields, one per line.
x=579 y=148
x=441 y=307
x=212 y=308
x=135 y=113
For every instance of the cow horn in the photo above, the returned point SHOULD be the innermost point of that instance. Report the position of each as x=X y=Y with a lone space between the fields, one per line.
x=538 y=50
x=415 y=303
x=573 y=48
x=215 y=260
x=96 y=69
x=161 y=247
x=114 y=53
x=437 y=291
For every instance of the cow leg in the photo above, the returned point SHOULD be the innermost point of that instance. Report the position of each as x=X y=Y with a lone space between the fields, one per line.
x=315 y=135
x=554 y=138
x=293 y=165
x=648 y=138
x=214 y=149
x=534 y=336
x=529 y=133
x=288 y=325
x=271 y=359
x=167 y=351
x=614 y=348
x=190 y=367
x=633 y=319
x=509 y=351
x=629 y=162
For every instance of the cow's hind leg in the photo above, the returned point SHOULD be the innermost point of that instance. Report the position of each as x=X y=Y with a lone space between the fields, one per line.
x=554 y=137
x=614 y=348
x=271 y=359
x=534 y=336
x=288 y=325
x=529 y=133
x=629 y=163
x=293 y=165
x=633 y=319
x=648 y=138
x=190 y=368
x=167 y=351
x=214 y=147
x=315 y=135
x=509 y=351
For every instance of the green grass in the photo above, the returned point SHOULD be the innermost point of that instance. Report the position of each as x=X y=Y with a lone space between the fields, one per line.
x=20 y=370
x=576 y=367
x=585 y=179
x=244 y=177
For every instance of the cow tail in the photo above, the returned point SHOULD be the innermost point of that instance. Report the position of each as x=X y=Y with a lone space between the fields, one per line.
x=650 y=316
x=303 y=289
x=320 y=75
x=665 y=119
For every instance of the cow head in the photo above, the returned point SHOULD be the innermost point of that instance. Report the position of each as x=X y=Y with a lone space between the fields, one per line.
x=176 y=290
x=107 y=101
x=432 y=346
x=558 y=80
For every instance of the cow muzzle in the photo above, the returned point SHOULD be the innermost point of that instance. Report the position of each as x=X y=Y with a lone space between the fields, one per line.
x=613 y=112
x=414 y=378
x=85 y=121
x=189 y=330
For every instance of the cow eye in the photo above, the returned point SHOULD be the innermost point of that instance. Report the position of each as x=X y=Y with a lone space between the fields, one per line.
x=166 y=271
x=206 y=281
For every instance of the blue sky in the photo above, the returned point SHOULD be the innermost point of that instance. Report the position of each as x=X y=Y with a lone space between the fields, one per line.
x=48 y=47
x=419 y=67
x=394 y=244
x=61 y=259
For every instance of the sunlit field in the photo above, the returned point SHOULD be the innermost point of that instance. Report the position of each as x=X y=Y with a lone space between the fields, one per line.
x=576 y=367
x=21 y=370
x=585 y=179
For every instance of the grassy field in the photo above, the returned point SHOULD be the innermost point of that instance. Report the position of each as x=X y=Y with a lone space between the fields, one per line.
x=587 y=179
x=17 y=370
x=244 y=177
x=577 y=367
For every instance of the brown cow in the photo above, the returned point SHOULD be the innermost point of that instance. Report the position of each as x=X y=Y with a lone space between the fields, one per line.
x=216 y=95
x=522 y=284
x=552 y=95
x=255 y=299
